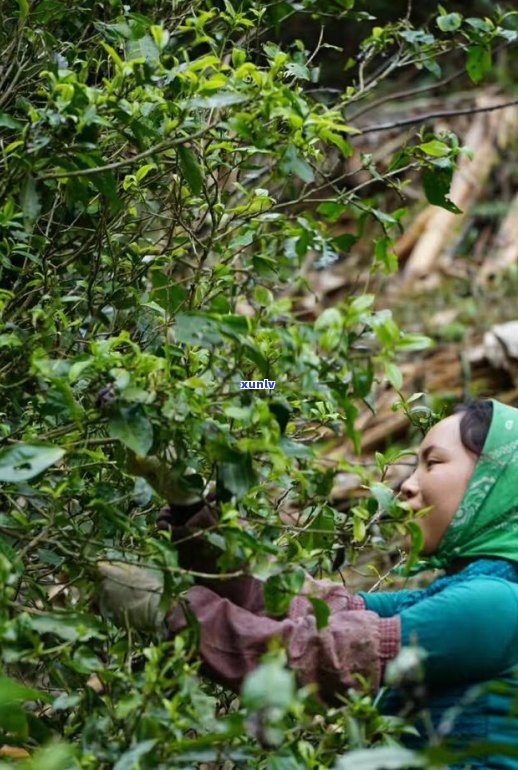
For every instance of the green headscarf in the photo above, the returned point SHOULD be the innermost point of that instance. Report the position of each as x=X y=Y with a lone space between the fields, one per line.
x=486 y=521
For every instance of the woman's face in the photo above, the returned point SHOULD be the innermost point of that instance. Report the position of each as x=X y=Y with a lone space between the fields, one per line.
x=444 y=469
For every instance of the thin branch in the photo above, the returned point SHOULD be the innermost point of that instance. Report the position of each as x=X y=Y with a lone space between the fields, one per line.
x=405 y=94
x=342 y=197
x=318 y=47
x=161 y=147
x=385 y=576
x=439 y=114
x=415 y=91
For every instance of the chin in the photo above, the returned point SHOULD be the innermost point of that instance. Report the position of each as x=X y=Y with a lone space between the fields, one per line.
x=429 y=549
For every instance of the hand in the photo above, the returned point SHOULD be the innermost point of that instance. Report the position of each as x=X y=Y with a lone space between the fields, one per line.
x=187 y=525
x=130 y=594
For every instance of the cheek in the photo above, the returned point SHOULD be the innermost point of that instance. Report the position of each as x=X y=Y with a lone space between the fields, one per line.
x=448 y=485
x=460 y=482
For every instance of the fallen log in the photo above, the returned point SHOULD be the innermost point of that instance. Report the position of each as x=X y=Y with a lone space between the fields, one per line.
x=489 y=133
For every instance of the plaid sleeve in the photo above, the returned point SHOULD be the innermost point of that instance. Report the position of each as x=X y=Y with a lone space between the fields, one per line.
x=390 y=642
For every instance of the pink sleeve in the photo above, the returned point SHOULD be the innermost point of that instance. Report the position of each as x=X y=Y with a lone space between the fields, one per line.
x=247 y=592
x=232 y=641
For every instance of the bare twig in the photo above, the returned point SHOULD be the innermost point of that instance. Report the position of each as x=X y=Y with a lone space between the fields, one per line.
x=161 y=147
x=439 y=114
x=407 y=94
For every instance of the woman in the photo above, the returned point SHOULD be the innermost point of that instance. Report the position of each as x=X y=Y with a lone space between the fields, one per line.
x=466 y=621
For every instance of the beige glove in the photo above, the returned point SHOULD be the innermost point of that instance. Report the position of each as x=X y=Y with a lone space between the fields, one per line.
x=130 y=595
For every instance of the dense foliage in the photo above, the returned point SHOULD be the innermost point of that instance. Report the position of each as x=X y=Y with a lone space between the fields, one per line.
x=167 y=167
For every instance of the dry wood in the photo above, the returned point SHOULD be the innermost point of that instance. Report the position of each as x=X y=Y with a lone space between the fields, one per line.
x=388 y=426
x=504 y=251
x=501 y=348
x=488 y=133
x=441 y=372
x=13 y=752
x=414 y=231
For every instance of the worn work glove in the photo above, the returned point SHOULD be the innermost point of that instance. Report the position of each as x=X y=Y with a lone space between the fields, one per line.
x=131 y=595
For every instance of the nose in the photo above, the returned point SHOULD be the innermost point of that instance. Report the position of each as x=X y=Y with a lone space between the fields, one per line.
x=409 y=488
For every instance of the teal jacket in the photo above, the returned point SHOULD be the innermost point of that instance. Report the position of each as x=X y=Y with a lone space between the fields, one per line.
x=468 y=625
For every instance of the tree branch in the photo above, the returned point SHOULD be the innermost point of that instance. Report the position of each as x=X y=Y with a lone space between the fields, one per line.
x=161 y=147
x=405 y=95
x=440 y=114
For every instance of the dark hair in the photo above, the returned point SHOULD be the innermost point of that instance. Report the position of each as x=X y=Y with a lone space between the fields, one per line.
x=474 y=425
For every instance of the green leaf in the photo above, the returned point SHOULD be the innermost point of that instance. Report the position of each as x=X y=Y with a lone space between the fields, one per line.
x=322 y=612
x=280 y=590
x=271 y=685
x=343 y=145
x=30 y=201
x=55 y=756
x=479 y=62
x=449 y=22
x=330 y=318
x=479 y=24
x=236 y=473
x=24 y=461
x=416 y=546
x=332 y=210
x=204 y=329
x=345 y=241
x=436 y=148
x=384 y=254
x=10 y=341
x=168 y=294
x=292 y=163
x=24 y=8
x=244 y=238
x=297 y=70
x=130 y=759
x=437 y=183
x=412 y=342
x=222 y=99
x=293 y=448
x=7 y=121
x=361 y=303
x=114 y=55
x=385 y=328
x=252 y=351
x=143 y=171
x=383 y=758
x=190 y=169
x=12 y=692
x=13 y=720
x=383 y=494
x=69 y=626
x=417 y=37
x=143 y=48
x=359 y=529
x=133 y=428
x=394 y=375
